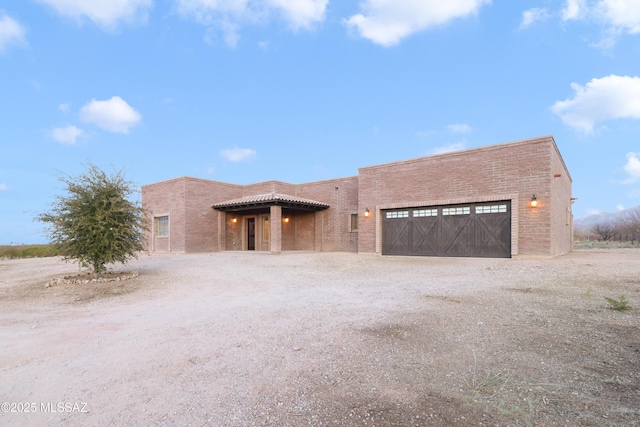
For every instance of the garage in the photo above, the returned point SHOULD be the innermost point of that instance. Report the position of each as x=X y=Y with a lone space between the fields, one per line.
x=466 y=230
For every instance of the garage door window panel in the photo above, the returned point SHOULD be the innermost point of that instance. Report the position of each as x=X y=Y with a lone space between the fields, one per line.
x=418 y=213
x=465 y=210
x=398 y=214
x=491 y=209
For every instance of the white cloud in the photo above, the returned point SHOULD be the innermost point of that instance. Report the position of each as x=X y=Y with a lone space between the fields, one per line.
x=64 y=107
x=11 y=32
x=632 y=167
x=105 y=13
x=617 y=16
x=210 y=11
x=621 y=14
x=460 y=128
x=3 y=186
x=620 y=206
x=387 y=22
x=593 y=211
x=531 y=16
x=113 y=115
x=301 y=13
x=238 y=154
x=611 y=97
x=574 y=9
x=228 y=15
x=449 y=148
x=67 y=135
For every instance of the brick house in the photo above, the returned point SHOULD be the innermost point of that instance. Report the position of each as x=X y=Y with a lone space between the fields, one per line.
x=496 y=201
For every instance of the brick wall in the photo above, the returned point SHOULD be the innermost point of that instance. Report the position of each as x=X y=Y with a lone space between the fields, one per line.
x=304 y=233
x=165 y=198
x=201 y=221
x=515 y=171
x=561 y=214
x=268 y=187
x=193 y=225
x=333 y=225
x=233 y=231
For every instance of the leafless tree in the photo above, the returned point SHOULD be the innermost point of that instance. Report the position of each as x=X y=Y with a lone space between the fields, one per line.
x=630 y=223
x=605 y=229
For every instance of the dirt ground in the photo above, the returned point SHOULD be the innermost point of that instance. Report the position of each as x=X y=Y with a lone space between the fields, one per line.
x=323 y=339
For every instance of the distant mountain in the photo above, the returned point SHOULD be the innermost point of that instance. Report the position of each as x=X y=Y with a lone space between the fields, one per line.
x=587 y=222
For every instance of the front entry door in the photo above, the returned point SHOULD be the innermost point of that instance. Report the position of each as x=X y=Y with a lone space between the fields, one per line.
x=251 y=234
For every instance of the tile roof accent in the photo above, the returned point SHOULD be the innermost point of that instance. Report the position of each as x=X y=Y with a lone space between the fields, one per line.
x=269 y=199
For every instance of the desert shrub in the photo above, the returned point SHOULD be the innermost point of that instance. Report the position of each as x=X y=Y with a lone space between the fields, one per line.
x=620 y=304
x=39 y=251
x=599 y=244
x=94 y=222
x=28 y=251
x=10 y=253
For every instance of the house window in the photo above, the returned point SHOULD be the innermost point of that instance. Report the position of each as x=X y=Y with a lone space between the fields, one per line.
x=354 y=222
x=265 y=228
x=162 y=226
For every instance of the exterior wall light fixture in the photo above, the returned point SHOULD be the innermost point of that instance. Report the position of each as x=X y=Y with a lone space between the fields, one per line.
x=234 y=220
x=285 y=219
x=534 y=201
x=366 y=212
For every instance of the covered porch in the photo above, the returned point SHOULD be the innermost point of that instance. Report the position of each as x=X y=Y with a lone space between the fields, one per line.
x=271 y=222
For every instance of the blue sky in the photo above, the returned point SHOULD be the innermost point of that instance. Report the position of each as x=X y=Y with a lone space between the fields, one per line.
x=245 y=91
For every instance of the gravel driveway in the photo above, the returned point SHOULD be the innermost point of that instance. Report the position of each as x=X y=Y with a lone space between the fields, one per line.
x=323 y=339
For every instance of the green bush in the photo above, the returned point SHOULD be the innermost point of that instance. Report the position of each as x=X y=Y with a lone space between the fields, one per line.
x=94 y=222
x=618 y=304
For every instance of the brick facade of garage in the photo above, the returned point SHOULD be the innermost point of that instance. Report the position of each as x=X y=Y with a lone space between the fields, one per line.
x=512 y=172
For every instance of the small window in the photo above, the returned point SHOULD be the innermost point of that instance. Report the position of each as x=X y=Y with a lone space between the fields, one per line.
x=398 y=214
x=354 y=222
x=162 y=226
x=466 y=210
x=425 y=212
x=491 y=209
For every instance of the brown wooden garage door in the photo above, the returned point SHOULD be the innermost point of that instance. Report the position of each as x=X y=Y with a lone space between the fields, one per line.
x=471 y=230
